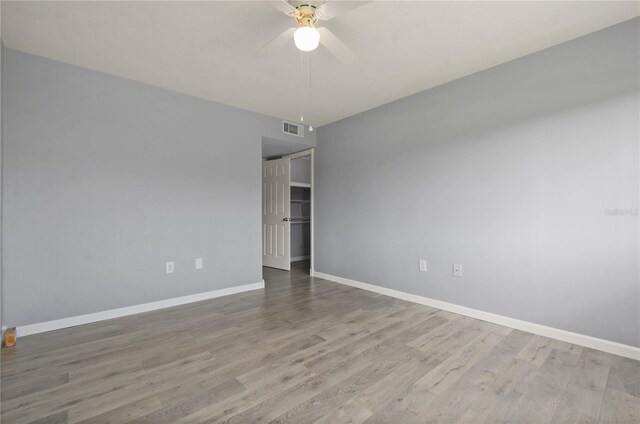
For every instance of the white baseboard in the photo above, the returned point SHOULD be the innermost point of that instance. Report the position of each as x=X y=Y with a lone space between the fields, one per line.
x=300 y=258
x=26 y=330
x=542 y=330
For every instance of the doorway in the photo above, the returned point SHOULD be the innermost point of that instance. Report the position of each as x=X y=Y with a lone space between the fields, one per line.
x=287 y=212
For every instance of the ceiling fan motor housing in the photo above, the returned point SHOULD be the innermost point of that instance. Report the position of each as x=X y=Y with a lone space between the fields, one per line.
x=306 y=15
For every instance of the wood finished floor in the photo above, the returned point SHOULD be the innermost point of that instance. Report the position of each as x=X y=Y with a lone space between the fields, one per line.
x=310 y=351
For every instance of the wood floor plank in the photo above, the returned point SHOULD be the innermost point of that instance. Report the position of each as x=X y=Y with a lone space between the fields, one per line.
x=441 y=377
x=59 y=418
x=350 y=412
x=308 y=350
x=537 y=350
x=19 y=390
x=584 y=394
x=624 y=375
x=392 y=386
x=194 y=400
x=126 y=413
x=277 y=405
x=542 y=396
x=452 y=403
x=619 y=408
x=323 y=403
x=500 y=394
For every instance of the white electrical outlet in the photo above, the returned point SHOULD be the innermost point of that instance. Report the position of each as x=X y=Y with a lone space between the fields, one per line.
x=169 y=267
x=423 y=265
x=199 y=263
x=457 y=270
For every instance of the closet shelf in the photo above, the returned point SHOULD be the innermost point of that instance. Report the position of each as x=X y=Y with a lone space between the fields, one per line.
x=300 y=201
x=296 y=184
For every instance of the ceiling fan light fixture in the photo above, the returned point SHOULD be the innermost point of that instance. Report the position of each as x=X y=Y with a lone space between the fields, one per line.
x=306 y=38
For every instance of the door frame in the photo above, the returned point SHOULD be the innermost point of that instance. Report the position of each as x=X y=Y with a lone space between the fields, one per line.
x=309 y=152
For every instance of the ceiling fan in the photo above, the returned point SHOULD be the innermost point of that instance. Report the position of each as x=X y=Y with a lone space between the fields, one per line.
x=306 y=35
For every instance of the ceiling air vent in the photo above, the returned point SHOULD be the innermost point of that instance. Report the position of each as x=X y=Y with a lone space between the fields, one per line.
x=292 y=129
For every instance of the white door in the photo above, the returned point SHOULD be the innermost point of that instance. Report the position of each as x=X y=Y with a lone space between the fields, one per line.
x=276 y=206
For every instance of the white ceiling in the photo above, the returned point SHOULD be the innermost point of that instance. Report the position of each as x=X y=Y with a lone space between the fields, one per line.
x=205 y=48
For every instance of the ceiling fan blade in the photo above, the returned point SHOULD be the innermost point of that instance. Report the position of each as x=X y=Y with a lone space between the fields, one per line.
x=336 y=47
x=283 y=6
x=275 y=43
x=331 y=9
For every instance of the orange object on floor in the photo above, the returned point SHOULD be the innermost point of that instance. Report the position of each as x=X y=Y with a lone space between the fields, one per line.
x=10 y=337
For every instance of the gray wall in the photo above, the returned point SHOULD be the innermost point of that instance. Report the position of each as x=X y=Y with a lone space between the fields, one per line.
x=301 y=170
x=106 y=179
x=508 y=172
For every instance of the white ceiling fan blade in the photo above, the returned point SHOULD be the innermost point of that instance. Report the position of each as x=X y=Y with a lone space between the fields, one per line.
x=335 y=46
x=275 y=43
x=331 y=9
x=283 y=6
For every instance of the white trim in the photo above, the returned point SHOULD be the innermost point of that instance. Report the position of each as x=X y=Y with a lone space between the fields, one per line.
x=26 y=330
x=542 y=330
x=300 y=258
x=300 y=154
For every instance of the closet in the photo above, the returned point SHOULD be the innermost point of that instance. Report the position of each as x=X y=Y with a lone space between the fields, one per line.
x=300 y=199
x=287 y=210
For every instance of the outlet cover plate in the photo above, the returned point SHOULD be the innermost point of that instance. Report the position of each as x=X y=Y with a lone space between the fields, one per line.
x=423 y=265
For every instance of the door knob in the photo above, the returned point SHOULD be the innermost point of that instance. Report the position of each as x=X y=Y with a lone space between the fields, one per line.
x=285 y=219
